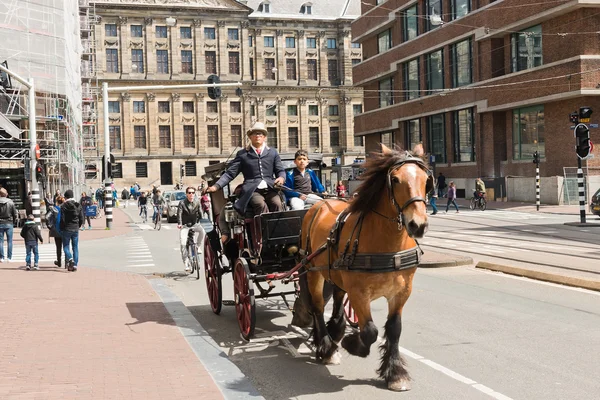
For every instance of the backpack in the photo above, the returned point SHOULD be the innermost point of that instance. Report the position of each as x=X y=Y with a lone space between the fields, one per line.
x=51 y=218
x=4 y=214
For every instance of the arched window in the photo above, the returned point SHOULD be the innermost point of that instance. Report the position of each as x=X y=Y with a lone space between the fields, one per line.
x=306 y=9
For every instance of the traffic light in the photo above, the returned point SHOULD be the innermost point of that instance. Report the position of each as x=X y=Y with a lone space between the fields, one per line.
x=585 y=113
x=536 y=157
x=582 y=138
x=40 y=176
x=214 y=92
x=109 y=169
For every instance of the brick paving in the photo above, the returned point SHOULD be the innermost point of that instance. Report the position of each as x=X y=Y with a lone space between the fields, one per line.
x=93 y=334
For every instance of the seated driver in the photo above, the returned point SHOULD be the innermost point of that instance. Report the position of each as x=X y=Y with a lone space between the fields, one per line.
x=303 y=182
x=262 y=170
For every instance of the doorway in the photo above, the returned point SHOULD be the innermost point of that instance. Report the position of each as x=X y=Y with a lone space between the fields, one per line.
x=166 y=173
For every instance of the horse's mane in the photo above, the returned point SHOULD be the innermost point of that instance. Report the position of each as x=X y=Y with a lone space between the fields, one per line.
x=374 y=179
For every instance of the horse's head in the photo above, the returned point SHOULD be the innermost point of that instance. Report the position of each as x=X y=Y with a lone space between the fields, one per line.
x=409 y=181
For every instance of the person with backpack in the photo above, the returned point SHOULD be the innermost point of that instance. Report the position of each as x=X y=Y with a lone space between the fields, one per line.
x=8 y=217
x=53 y=225
x=85 y=202
x=31 y=233
x=71 y=219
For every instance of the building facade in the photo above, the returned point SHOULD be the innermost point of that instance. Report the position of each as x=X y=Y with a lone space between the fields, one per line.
x=482 y=84
x=294 y=62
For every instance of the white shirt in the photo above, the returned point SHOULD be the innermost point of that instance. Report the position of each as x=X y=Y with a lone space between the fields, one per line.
x=262 y=184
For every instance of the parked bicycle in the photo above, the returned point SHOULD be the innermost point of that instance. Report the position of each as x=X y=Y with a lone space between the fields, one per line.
x=478 y=201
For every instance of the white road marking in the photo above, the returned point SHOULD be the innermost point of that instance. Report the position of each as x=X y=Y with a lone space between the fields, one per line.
x=140 y=265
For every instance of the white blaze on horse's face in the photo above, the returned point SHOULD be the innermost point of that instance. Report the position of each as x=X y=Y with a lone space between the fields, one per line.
x=410 y=181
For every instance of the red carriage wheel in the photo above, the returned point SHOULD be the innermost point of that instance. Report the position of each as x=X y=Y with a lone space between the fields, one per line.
x=351 y=316
x=212 y=273
x=243 y=293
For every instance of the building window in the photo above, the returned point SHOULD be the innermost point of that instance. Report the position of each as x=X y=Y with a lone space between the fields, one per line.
x=234 y=62
x=209 y=33
x=433 y=11
x=269 y=41
x=332 y=71
x=464 y=136
x=410 y=24
x=162 y=61
x=137 y=60
x=290 y=68
x=112 y=60
x=161 y=32
x=528 y=132
x=462 y=66
x=164 y=107
x=264 y=7
x=356 y=61
x=384 y=41
x=235 y=107
x=311 y=43
x=313 y=110
x=141 y=170
x=139 y=137
x=413 y=133
x=411 y=79
x=334 y=110
x=293 y=137
x=252 y=110
x=313 y=137
x=188 y=106
x=114 y=107
x=213 y=136
x=117 y=171
x=139 y=107
x=306 y=9
x=526 y=49
x=210 y=60
x=190 y=168
x=356 y=109
x=386 y=92
x=189 y=136
x=271 y=111
x=311 y=69
x=233 y=34
x=251 y=68
x=115 y=137
x=164 y=136
x=355 y=45
x=290 y=42
x=460 y=8
x=236 y=135
x=250 y=41
x=185 y=32
x=334 y=136
x=269 y=65
x=136 y=31
x=387 y=139
x=331 y=43
x=434 y=76
x=292 y=110
x=359 y=141
x=212 y=107
x=110 y=30
x=186 y=62
x=436 y=134
x=272 y=137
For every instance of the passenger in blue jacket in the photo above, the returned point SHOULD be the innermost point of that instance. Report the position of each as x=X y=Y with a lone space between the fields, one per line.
x=304 y=182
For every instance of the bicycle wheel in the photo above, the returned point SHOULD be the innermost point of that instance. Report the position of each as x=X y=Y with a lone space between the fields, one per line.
x=158 y=222
x=482 y=204
x=472 y=203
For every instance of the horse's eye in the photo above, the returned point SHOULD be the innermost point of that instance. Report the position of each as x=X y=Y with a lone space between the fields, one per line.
x=395 y=179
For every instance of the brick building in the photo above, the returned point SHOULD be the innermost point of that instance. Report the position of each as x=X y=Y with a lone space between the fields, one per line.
x=481 y=83
x=293 y=58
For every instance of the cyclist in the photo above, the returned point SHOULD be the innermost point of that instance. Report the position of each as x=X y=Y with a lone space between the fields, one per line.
x=158 y=202
x=479 y=189
x=189 y=213
x=143 y=205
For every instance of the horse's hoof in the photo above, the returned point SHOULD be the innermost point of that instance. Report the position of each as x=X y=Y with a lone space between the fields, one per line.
x=401 y=385
x=335 y=359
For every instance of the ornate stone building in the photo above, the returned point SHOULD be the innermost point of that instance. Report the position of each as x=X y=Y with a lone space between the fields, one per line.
x=294 y=60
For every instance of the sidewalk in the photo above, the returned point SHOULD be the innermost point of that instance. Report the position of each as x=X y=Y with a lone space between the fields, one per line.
x=524 y=207
x=94 y=334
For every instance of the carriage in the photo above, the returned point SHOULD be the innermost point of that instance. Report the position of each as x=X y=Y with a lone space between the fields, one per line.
x=263 y=250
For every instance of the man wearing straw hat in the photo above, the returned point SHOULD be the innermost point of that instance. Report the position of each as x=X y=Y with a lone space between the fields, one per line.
x=262 y=170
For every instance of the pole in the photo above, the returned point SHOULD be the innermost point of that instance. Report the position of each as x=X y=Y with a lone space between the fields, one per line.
x=107 y=188
x=581 y=186
x=537 y=186
x=35 y=190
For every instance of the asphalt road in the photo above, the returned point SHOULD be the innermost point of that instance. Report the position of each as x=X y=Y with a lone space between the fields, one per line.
x=467 y=333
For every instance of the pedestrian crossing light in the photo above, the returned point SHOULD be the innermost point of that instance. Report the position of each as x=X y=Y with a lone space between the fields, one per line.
x=214 y=92
x=182 y=171
x=536 y=157
x=583 y=146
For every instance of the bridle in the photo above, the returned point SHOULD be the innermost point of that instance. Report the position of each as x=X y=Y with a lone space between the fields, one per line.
x=389 y=183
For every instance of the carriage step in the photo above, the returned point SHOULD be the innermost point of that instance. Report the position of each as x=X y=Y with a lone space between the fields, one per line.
x=228 y=303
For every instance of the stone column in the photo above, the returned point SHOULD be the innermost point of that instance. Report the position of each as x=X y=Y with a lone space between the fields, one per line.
x=280 y=74
x=303 y=131
x=176 y=124
x=346 y=118
x=301 y=59
x=223 y=124
x=322 y=77
x=201 y=131
x=246 y=52
x=222 y=52
x=124 y=54
x=324 y=128
x=259 y=48
x=151 y=48
x=198 y=56
x=152 y=111
x=127 y=133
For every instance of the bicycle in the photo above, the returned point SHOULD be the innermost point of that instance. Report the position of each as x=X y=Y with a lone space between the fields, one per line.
x=157 y=217
x=192 y=251
x=144 y=213
x=479 y=202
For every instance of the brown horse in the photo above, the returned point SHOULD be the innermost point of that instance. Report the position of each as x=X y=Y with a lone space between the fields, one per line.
x=386 y=216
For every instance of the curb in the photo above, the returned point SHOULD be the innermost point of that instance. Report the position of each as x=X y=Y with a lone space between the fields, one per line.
x=457 y=262
x=541 y=276
x=583 y=224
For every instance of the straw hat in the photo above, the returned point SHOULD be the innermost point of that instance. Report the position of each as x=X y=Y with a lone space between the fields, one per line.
x=257 y=127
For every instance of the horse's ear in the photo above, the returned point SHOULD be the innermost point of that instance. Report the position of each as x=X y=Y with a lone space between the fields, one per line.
x=418 y=150
x=385 y=150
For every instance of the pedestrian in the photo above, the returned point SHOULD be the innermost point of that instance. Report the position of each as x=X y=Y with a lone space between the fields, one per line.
x=71 y=219
x=31 y=233
x=433 y=201
x=48 y=200
x=132 y=192
x=451 y=196
x=8 y=218
x=341 y=189
x=441 y=184
x=53 y=224
x=29 y=204
x=100 y=198
x=57 y=194
x=86 y=202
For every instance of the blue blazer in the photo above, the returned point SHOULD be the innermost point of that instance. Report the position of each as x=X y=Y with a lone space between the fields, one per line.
x=255 y=169
x=315 y=184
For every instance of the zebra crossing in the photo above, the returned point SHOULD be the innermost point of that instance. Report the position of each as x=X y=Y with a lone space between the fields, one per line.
x=46 y=251
x=138 y=253
x=146 y=227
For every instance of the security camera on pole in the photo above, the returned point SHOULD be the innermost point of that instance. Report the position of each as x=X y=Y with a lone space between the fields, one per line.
x=583 y=149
